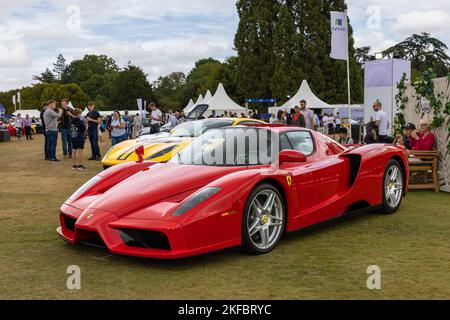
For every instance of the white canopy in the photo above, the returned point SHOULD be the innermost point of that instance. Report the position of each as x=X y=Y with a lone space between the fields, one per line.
x=221 y=102
x=190 y=105
x=190 y=108
x=304 y=93
x=207 y=98
x=32 y=113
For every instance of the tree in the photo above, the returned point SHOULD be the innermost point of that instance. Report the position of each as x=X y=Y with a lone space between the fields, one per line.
x=281 y=43
x=287 y=73
x=130 y=84
x=95 y=75
x=363 y=54
x=254 y=42
x=424 y=52
x=45 y=77
x=170 y=89
x=206 y=75
x=34 y=96
x=59 y=66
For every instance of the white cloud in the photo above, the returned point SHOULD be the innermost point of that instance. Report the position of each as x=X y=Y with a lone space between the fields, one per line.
x=13 y=54
x=421 y=21
x=376 y=40
x=170 y=35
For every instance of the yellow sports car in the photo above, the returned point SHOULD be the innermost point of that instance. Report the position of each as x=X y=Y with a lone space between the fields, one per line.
x=162 y=147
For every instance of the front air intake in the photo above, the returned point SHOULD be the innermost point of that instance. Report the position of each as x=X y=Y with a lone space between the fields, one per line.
x=145 y=239
x=69 y=223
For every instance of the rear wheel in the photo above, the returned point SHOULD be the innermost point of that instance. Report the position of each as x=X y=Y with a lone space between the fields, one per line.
x=393 y=187
x=263 y=220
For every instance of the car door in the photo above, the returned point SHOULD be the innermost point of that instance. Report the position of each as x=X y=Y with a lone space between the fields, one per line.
x=317 y=182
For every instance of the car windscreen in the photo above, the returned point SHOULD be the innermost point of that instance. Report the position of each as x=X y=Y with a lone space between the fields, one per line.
x=237 y=146
x=197 y=128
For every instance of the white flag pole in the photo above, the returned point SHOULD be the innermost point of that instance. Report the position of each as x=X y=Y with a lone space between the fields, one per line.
x=349 y=88
x=340 y=49
x=14 y=103
x=349 y=98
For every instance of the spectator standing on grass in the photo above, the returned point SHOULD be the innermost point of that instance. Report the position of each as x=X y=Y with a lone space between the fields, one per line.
x=316 y=122
x=308 y=114
x=381 y=122
x=94 y=119
x=338 y=122
x=19 y=126
x=27 y=124
x=156 y=118
x=66 y=118
x=46 y=148
x=137 y=124
x=298 y=119
x=77 y=131
x=173 y=119
x=118 y=129
x=51 y=118
x=280 y=119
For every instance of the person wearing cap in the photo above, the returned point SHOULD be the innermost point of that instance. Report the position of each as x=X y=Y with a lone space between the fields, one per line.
x=405 y=139
x=424 y=140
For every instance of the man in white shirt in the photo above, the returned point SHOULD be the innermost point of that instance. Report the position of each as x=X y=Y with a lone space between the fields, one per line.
x=156 y=117
x=381 y=121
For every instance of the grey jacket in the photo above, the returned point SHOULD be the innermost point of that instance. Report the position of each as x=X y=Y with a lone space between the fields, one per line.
x=50 y=120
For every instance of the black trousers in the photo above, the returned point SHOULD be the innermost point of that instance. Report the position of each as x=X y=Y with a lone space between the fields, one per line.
x=28 y=133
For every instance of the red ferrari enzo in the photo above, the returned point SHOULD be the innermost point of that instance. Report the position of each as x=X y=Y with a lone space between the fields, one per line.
x=240 y=186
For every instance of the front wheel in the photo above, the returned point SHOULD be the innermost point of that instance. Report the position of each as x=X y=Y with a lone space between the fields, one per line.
x=393 y=187
x=263 y=220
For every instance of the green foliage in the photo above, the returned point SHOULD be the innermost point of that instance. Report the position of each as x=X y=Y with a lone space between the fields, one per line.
x=424 y=52
x=400 y=101
x=59 y=67
x=281 y=43
x=45 y=77
x=254 y=42
x=95 y=75
x=425 y=88
x=128 y=85
x=34 y=96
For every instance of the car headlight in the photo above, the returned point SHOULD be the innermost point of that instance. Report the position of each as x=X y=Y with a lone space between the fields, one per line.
x=85 y=187
x=195 y=200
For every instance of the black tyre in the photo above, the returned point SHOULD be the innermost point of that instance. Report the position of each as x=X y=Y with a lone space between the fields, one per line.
x=393 y=187
x=263 y=220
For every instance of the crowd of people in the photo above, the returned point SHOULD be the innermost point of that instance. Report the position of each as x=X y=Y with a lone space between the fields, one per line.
x=75 y=128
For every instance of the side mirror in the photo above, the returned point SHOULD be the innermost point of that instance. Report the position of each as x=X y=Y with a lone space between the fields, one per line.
x=140 y=153
x=292 y=156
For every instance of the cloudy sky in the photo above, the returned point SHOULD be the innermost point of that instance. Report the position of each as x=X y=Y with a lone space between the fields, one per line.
x=170 y=35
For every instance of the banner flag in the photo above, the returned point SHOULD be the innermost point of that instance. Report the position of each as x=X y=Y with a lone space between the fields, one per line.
x=339 y=35
x=18 y=97
x=14 y=99
x=140 y=107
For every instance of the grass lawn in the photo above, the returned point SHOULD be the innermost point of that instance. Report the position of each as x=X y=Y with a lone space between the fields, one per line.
x=412 y=248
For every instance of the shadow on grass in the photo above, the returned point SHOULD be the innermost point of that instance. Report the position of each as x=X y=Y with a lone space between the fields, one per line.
x=226 y=255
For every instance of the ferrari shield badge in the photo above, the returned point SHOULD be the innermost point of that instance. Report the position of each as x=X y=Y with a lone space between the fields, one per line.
x=289 y=180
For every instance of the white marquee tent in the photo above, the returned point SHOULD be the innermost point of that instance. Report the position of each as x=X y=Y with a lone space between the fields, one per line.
x=207 y=98
x=221 y=102
x=32 y=113
x=190 y=105
x=304 y=93
x=189 y=108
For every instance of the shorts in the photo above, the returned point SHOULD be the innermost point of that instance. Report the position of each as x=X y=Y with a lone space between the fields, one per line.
x=77 y=144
